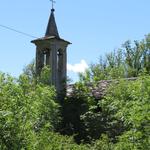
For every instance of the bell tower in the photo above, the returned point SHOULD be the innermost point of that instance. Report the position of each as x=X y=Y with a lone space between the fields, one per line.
x=51 y=50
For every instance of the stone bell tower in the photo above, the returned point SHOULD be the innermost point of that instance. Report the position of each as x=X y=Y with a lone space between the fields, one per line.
x=51 y=50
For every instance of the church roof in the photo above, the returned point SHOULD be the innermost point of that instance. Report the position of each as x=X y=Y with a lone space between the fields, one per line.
x=52 y=27
x=98 y=91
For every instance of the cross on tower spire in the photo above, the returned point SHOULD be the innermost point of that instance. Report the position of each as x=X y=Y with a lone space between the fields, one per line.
x=53 y=3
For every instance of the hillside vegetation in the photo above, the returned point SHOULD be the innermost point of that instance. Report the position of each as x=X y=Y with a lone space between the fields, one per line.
x=31 y=117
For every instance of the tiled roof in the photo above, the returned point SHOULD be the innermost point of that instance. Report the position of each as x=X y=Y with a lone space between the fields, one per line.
x=97 y=90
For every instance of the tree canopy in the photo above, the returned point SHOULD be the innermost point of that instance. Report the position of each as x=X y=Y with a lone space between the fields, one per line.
x=32 y=118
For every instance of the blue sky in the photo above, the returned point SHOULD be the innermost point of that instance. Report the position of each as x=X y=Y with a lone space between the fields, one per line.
x=93 y=27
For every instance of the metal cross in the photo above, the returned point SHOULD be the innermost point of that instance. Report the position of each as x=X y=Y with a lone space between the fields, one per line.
x=53 y=3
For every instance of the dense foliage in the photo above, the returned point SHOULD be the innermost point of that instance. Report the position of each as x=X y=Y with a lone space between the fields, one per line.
x=128 y=109
x=32 y=118
x=25 y=108
x=122 y=116
x=129 y=61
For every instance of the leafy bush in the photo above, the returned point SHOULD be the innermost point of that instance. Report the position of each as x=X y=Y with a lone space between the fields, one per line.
x=128 y=103
x=25 y=108
x=53 y=141
x=119 y=121
x=72 y=108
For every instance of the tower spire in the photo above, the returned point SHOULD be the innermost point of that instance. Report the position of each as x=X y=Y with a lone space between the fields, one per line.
x=52 y=27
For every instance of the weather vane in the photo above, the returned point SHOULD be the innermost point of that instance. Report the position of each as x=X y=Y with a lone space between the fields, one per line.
x=53 y=3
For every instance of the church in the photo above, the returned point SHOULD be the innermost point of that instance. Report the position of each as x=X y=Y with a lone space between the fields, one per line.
x=51 y=50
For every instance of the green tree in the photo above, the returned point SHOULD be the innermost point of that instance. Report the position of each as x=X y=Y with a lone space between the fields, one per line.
x=128 y=103
x=25 y=109
x=131 y=60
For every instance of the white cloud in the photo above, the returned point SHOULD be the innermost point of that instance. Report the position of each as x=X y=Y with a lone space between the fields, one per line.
x=78 y=68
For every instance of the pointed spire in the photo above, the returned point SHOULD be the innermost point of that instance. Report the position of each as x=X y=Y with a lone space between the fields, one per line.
x=52 y=27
